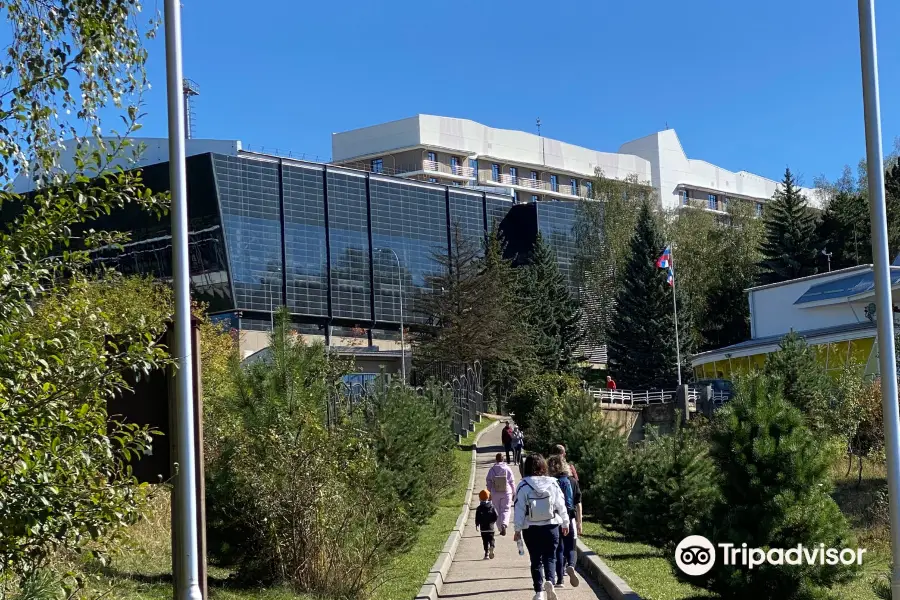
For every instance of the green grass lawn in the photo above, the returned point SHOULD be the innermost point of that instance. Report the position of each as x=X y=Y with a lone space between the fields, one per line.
x=408 y=571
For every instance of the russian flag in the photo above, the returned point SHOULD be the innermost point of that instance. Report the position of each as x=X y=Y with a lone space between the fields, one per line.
x=665 y=262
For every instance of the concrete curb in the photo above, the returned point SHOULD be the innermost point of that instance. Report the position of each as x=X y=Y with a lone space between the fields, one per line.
x=431 y=589
x=600 y=572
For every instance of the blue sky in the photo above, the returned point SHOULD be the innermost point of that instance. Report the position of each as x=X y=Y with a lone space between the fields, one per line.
x=747 y=85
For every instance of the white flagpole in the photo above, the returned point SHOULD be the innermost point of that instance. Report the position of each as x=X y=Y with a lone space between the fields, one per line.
x=882 y=275
x=675 y=312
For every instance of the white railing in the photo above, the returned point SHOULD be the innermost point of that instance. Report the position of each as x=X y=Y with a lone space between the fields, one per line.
x=536 y=184
x=631 y=398
x=432 y=166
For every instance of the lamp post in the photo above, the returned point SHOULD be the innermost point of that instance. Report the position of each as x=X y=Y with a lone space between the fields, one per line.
x=400 y=286
x=186 y=558
x=881 y=271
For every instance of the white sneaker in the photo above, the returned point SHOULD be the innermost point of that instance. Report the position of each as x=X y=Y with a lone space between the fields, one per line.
x=573 y=576
x=549 y=591
x=538 y=596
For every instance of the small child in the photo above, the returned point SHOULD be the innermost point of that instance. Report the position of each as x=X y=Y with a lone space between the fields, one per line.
x=485 y=521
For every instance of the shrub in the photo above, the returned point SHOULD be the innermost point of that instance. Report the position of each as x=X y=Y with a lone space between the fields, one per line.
x=660 y=489
x=307 y=490
x=540 y=392
x=775 y=494
x=413 y=442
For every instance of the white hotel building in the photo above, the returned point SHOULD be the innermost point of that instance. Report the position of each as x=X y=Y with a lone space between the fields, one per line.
x=532 y=168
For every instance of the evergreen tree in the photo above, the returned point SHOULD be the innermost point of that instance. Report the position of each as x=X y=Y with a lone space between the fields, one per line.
x=790 y=248
x=504 y=372
x=642 y=351
x=775 y=494
x=553 y=315
x=802 y=379
x=469 y=308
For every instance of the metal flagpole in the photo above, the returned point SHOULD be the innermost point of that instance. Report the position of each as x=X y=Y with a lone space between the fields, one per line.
x=675 y=312
x=881 y=260
x=186 y=549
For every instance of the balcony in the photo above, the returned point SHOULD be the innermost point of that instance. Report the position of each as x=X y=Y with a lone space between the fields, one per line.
x=449 y=171
x=526 y=184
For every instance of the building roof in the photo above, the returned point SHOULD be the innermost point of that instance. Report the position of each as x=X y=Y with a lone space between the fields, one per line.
x=867 y=328
x=855 y=284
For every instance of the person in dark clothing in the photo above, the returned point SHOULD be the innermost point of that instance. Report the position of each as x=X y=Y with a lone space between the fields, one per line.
x=485 y=521
x=507 y=437
x=565 y=552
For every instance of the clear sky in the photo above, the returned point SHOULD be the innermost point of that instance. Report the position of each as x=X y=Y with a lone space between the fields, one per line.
x=747 y=85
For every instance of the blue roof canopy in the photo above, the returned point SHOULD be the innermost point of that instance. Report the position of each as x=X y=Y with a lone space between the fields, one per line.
x=852 y=285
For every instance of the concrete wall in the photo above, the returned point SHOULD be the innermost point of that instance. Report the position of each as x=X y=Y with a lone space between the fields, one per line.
x=376 y=139
x=156 y=151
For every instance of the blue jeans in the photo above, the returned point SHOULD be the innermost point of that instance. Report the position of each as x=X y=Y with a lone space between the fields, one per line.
x=542 y=542
x=565 y=553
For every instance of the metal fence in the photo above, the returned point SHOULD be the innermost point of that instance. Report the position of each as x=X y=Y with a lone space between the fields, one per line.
x=464 y=384
x=465 y=381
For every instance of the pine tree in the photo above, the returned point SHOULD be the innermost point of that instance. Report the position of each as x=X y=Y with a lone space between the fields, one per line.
x=802 y=379
x=553 y=315
x=775 y=494
x=790 y=248
x=504 y=372
x=642 y=351
x=469 y=308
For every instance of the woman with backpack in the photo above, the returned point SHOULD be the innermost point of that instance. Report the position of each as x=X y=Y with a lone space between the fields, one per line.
x=518 y=443
x=500 y=483
x=540 y=518
x=565 y=553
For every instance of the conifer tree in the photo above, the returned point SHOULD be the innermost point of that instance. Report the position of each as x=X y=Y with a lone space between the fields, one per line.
x=776 y=493
x=642 y=350
x=790 y=247
x=553 y=315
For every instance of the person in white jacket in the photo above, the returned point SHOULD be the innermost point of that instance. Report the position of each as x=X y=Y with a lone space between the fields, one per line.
x=539 y=517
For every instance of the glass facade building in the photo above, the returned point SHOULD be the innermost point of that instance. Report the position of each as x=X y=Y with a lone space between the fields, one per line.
x=334 y=245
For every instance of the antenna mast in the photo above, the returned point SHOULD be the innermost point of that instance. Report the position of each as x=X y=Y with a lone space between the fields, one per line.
x=190 y=89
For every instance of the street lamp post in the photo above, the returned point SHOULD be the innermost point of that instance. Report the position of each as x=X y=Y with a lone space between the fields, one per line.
x=402 y=340
x=187 y=551
x=882 y=275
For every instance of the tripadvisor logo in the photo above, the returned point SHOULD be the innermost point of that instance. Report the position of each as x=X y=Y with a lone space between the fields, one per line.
x=696 y=555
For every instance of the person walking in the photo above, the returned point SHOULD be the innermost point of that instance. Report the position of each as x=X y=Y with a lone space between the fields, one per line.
x=485 y=521
x=518 y=442
x=560 y=450
x=565 y=552
x=501 y=485
x=540 y=517
x=506 y=437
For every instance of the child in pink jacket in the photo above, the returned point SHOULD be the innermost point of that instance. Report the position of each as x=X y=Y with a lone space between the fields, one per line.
x=502 y=486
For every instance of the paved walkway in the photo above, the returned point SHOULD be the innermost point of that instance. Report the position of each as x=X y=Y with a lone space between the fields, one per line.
x=507 y=577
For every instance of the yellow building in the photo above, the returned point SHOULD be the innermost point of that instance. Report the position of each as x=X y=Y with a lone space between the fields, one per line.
x=834 y=312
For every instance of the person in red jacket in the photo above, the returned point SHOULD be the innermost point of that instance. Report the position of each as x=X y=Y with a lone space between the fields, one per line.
x=506 y=436
x=610 y=383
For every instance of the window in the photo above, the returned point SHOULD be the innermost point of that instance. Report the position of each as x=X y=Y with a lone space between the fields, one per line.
x=534 y=175
x=454 y=165
x=712 y=202
x=473 y=164
x=724 y=202
x=534 y=198
x=554 y=183
x=513 y=173
x=685 y=197
x=589 y=187
x=495 y=172
x=515 y=197
x=432 y=180
x=432 y=157
x=574 y=183
x=377 y=165
x=759 y=209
